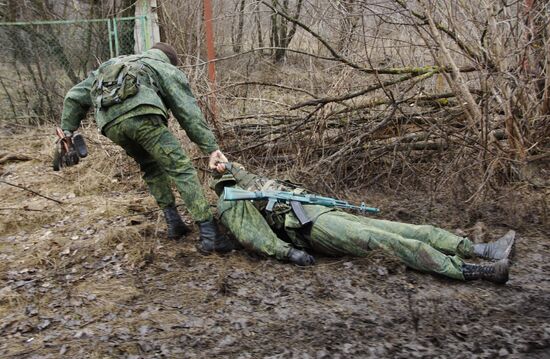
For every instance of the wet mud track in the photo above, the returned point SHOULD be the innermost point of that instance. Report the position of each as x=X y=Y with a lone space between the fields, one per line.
x=95 y=278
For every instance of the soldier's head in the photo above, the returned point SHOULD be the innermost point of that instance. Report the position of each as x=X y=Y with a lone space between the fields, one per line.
x=225 y=179
x=168 y=51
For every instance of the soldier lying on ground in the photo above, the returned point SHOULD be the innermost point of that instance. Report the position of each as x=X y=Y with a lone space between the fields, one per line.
x=334 y=232
x=131 y=96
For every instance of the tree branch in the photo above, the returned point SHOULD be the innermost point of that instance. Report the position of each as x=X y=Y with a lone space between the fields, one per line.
x=31 y=191
x=325 y=100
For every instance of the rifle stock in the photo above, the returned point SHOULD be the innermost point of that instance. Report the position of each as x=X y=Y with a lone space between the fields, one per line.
x=237 y=194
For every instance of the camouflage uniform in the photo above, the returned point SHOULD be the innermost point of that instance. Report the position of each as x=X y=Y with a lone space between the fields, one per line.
x=138 y=125
x=334 y=232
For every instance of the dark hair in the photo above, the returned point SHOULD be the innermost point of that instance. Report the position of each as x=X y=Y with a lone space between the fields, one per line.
x=168 y=51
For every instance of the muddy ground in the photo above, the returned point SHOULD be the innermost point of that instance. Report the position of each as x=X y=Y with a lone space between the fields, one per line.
x=93 y=277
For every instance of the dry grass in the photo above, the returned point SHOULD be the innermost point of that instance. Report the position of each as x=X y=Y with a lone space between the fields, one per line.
x=106 y=227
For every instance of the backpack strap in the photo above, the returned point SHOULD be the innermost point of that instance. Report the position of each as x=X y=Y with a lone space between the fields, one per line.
x=151 y=75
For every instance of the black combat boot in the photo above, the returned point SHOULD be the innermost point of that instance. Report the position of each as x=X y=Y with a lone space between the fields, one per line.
x=494 y=272
x=175 y=226
x=499 y=249
x=212 y=241
x=300 y=258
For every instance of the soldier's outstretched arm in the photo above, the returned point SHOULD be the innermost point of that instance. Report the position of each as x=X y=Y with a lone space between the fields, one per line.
x=251 y=230
x=179 y=98
x=76 y=104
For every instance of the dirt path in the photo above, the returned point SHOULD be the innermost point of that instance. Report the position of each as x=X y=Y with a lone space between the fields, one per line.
x=94 y=278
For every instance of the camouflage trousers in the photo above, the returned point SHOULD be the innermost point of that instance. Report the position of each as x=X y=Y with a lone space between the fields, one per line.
x=422 y=247
x=162 y=160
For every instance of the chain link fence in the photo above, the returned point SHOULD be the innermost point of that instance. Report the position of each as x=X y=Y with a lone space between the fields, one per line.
x=41 y=60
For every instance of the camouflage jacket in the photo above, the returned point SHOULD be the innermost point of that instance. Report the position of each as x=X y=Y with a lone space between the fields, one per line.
x=166 y=89
x=270 y=233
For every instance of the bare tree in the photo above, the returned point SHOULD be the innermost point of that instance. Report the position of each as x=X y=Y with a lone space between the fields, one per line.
x=429 y=91
x=282 y=27
x=237 y=30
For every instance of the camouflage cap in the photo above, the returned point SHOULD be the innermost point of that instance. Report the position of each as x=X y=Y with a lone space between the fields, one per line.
x=219 y=181
x=227 y=179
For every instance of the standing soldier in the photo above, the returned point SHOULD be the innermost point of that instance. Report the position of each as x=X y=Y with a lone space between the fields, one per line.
x=131 y=96
x=280 y=233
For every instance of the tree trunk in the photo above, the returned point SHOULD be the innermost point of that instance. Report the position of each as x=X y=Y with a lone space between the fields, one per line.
x=280 y=31
x=237 y=38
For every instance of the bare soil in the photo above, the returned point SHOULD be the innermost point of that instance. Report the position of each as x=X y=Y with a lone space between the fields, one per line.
x=93 y=277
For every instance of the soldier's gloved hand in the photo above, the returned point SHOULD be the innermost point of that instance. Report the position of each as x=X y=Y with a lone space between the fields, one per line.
x=216 y=161
x=300 y=258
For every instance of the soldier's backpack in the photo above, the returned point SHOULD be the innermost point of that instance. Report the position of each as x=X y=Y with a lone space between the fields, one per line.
x=116 y=82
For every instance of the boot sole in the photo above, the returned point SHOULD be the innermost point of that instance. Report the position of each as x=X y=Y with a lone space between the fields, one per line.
x=511 y=236
x=203 y=251
x=502 y=268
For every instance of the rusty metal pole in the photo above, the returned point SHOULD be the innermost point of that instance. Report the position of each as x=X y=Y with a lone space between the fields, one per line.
x=211 y=56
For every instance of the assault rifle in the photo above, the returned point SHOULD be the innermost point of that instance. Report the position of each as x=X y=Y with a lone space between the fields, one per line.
x=294 y=199
x=68 y=150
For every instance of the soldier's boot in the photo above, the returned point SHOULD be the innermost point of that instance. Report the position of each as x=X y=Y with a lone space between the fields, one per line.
x=494 y=272
x=499 y=249
x=212 y=241
x=175 y=227
x=300 y=258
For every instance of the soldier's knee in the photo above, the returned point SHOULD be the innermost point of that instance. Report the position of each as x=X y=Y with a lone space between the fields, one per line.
x=426 y=230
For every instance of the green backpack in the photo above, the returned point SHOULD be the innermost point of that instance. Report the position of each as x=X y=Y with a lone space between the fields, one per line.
x=116 y=82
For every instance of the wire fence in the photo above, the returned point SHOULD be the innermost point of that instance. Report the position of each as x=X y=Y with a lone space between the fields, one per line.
x=41 y=60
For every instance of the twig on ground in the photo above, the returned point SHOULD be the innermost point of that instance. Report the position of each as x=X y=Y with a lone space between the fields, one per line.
x=20 y=209
x=6 y=157
x=31 y=191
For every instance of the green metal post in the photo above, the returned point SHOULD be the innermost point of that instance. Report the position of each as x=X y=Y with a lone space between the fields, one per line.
x=115 y=33
x=110 y=38
x=143 y=8
x=146 y=28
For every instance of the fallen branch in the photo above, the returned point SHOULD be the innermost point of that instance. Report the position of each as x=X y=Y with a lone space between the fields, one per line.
x=258 y=83
x=6 y=157
x=325 y=100
x=20 y=209
x=31 y=191
x=345 y=150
